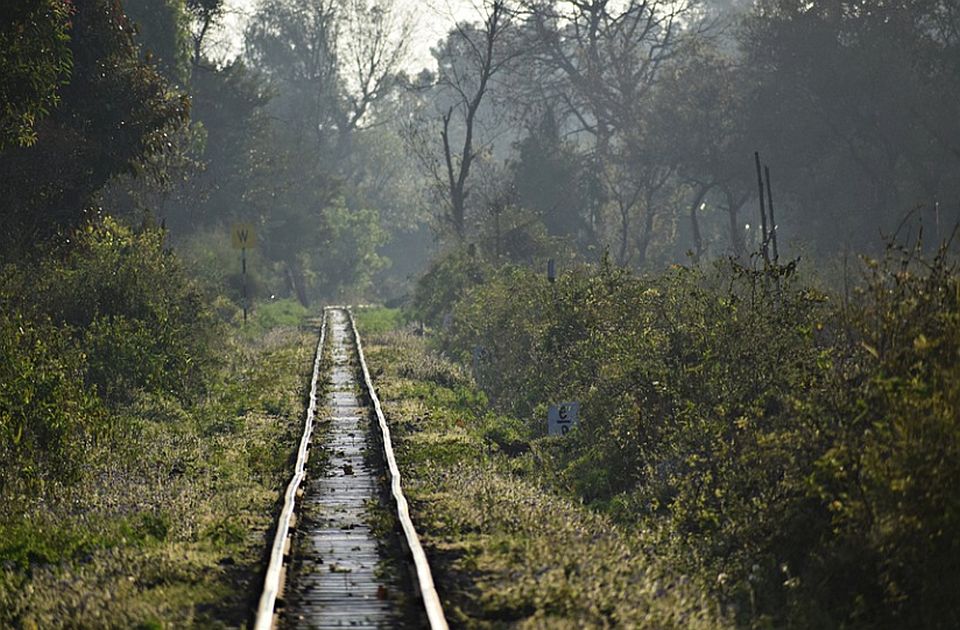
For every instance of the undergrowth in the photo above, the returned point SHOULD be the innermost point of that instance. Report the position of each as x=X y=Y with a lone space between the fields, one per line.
x=145 y=443
x=506 y=547
x=794 y=451
x=168 y=525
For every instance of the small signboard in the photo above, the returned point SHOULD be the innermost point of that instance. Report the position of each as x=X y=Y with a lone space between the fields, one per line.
x=243 y=236
x=563 y=417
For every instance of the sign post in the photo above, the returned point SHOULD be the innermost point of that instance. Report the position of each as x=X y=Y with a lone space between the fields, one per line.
x=242 y=236
x=563 y=417
x=480 y=357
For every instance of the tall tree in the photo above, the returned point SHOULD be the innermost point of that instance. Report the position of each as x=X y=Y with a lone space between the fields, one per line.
x=701 y=115
x=855 y=106
x=552 y=179
x=330 y=66
x=470 y=58
x=35 y=61
x=114 y=112
x=329 y=62
x=604 y=57
x=603 y=61
x=204 y=16
x=161 y=33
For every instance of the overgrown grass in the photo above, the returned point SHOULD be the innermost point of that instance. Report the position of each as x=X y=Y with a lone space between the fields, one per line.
x=507 y=548
x=378 y=319
x=167 y=526
x=273 y=314
x=795 y=451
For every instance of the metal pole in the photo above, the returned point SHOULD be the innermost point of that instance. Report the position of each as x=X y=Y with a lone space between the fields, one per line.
x=763 y=213
x=773 y=221
x=936 y=212
x=243 y=266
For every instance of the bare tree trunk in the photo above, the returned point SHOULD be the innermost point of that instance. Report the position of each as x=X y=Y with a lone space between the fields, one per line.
x=458 y=170
x=643 y=244
x=496 y=233
x=695 y=222
x=296 y=279
x=763 y=212
x=624 y=233
x=736 y=236
x=456 y=182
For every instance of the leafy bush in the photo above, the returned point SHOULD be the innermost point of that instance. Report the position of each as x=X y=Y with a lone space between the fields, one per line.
x=445 y=282
x=891 y=475
x=126 y=301
x=269 y=315
x=347 y=259
x=82 y=330
x=45 y=412
x=374 y=321
x=800 y=454
x=34 y=64
x=509 y=551
x=208 y=255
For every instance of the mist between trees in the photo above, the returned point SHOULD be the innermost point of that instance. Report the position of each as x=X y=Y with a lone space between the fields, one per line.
x=612 y=136
x=546 y=129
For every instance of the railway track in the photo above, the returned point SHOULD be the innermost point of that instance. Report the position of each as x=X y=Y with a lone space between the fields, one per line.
x=332 y=570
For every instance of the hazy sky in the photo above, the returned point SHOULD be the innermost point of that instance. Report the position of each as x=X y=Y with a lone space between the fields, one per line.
x=432 y=19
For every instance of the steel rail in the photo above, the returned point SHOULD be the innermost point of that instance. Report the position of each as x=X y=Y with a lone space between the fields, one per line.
x=428 y=592
x=272 y=580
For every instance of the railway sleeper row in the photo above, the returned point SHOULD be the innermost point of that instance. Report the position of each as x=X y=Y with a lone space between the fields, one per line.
x=346 y=554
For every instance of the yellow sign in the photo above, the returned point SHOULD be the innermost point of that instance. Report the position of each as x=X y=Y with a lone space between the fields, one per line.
x=243 y=236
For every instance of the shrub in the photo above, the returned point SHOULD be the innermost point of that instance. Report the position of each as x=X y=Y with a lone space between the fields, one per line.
x=801 y=455
x=445 y=282
x=269 y=315
x=892 y=474
x=208 y=255
x=83 y=328
x=46 y=414
x=378 y=320
x=125 y=299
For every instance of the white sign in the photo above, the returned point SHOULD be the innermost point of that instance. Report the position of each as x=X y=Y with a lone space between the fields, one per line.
x=563 y=417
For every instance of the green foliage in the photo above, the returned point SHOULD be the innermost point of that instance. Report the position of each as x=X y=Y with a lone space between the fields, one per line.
x=242 y=161
x=447 y=279
x=345 y=253
x=35 y=61
x=799 y=455
x=162 y=35
x=124 y=298
x=114 y=112
x=279 y=313
x=208 y=256
x=891 y=475
x=94 y=323
x=378 y=320
x=46 y=414
x=552 y=179
x=854 y=109
x=508 y=548
x=164 y=524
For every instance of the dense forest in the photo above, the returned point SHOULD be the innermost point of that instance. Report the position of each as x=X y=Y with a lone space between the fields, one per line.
x=750 y=207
